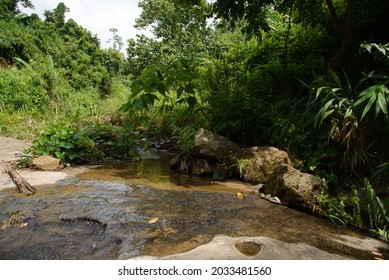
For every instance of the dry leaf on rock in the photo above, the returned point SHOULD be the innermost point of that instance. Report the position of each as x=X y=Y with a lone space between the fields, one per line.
x=240 y=195
x=153 y=221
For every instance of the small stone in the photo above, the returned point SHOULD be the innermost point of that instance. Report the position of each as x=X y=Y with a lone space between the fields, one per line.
x=274 y=199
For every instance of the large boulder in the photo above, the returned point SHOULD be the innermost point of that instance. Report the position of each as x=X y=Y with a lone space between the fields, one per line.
x=257 y=164
x=213 y=145
x=294 y=188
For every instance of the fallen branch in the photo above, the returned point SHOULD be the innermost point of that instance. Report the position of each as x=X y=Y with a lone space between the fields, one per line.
x=22 y=185
x=23 y=155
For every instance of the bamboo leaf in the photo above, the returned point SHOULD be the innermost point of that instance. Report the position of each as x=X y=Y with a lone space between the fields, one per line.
x=382 y=103
x=336 y=78
x=368 y=106
x=323 y=113
x=367 y=93
x=319 y=91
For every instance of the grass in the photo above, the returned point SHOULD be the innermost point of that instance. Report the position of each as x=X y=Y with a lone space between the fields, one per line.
x=76 y=108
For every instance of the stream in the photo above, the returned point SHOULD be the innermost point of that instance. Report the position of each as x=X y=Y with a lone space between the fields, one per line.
x=137 y=209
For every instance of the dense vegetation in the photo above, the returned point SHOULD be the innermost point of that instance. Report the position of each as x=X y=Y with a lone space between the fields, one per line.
x=306 y=76
x=56 y=81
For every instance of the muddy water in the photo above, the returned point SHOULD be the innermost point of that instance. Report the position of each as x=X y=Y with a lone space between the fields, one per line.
x=124 y=211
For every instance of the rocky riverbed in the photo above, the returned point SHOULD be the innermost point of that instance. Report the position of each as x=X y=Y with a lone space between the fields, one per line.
x=143 y=211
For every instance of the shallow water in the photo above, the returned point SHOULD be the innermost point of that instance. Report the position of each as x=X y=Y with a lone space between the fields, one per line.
x=111 y=213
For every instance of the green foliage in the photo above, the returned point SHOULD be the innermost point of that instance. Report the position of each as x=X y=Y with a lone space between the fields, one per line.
x=181 y=33
x=55 y=70
x=343 y=117
x=194 y=73
x=91 y=143
x=23 y=87
x=231 y=108
x=166 y=68
x=377 y=210
x=68 y=48
x=240 y=166
x=367 y=211
x=377 y=95
x=11 y=7
x=350 y=113
x=61 y=142
x=382 y=51
x=333 y=208
x=57 y=16
x=185 y=136
x=163 y=89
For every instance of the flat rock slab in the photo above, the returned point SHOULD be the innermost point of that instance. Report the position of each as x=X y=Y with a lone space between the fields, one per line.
x=35 y=178
x=223 y=247
x=251 y=248
x=8 y=148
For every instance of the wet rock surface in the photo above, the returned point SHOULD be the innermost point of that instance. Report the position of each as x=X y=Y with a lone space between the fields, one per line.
x=104 y=213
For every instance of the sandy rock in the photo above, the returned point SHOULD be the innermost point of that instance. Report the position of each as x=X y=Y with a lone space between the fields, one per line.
x=259 y=163
x=293 y=187
x=46 y=163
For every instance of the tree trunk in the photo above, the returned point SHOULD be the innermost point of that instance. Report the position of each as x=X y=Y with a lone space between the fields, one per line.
x=347 y=30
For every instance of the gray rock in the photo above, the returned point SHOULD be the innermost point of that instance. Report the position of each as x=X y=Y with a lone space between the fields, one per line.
x=293 y=187
x=213 y=145
x=256 y=164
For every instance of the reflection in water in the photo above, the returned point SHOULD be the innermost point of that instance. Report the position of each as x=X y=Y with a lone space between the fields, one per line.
x=105 y=214
x=157 y=174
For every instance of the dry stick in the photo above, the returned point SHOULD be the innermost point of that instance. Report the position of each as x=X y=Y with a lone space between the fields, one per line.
x=22 y=185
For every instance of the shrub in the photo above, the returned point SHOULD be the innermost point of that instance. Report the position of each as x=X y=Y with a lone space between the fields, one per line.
x=93 y=142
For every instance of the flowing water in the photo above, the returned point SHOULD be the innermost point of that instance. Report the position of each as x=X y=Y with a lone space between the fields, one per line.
x=135 y=209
